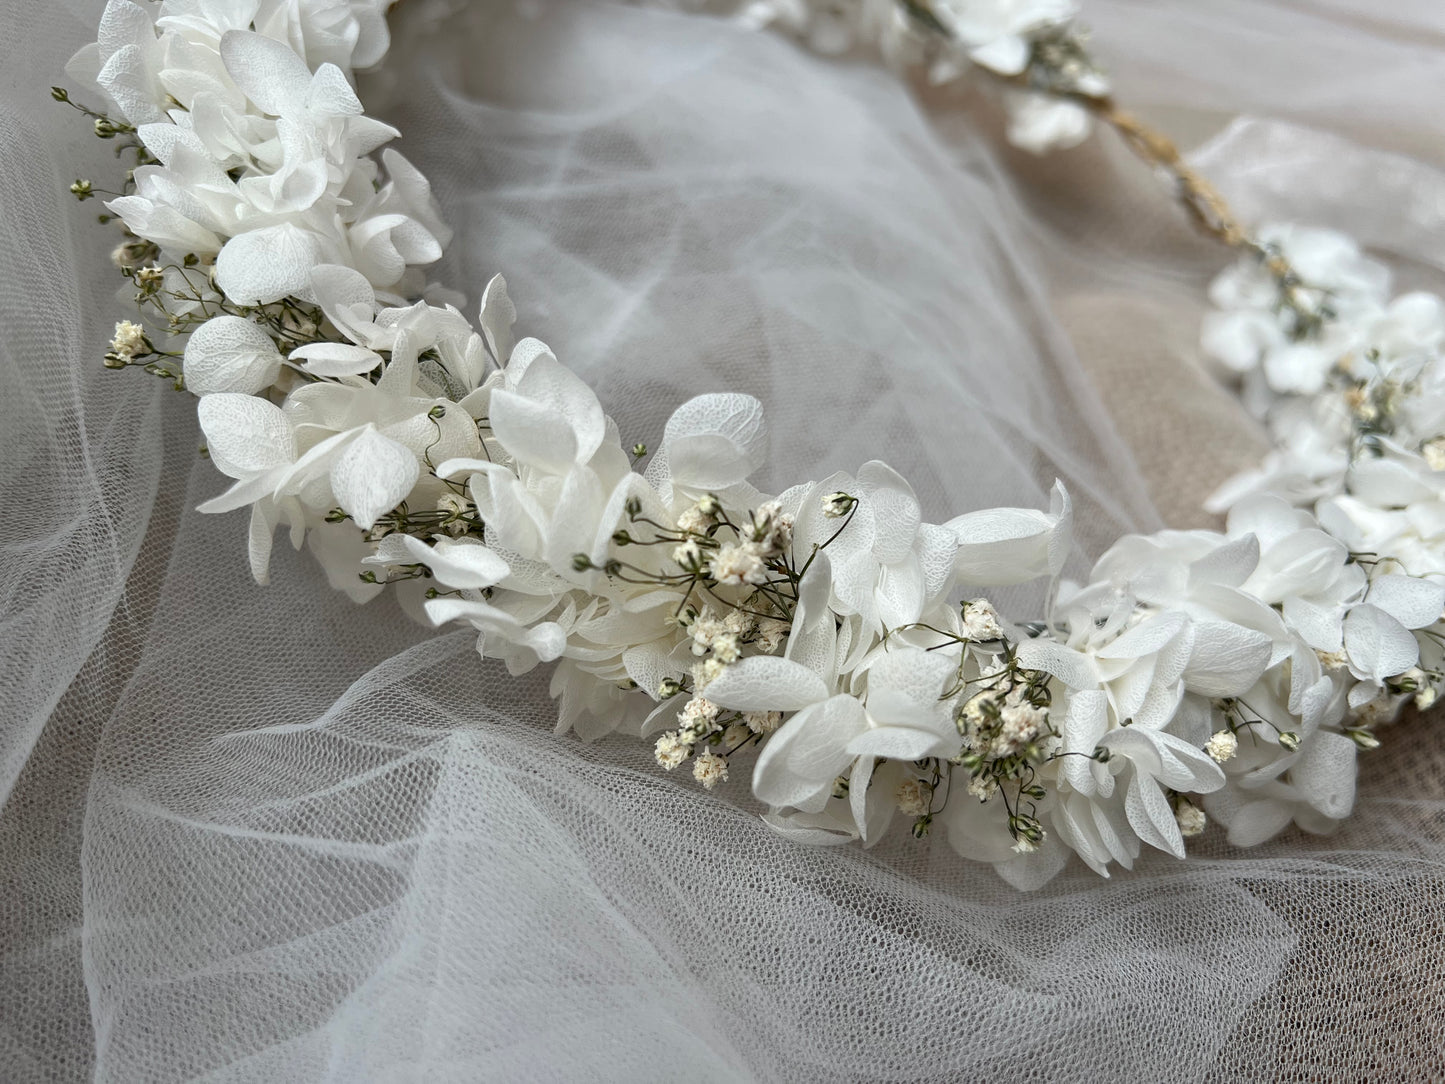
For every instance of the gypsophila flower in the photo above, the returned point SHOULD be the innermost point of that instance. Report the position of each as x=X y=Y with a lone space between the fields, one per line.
x=1433 y=451
x=772 y=529
x=704 y=629
x=1426 y=697
x=671 y=750
x=149 y=278
x=771 y=634
x=980 y=620
x=698 y=712
x=1190 y=818
x=739 y=624
x=1021 y=724
x=692 y=521
x=725 y=649
x=762 y=722
x=737 y=565
x=709 y=769
x=1222 y=746
x=983 y=787
x=129 y=340
x=688 y=556
x=837 y=504
x=914 y=797
x=1024 y=845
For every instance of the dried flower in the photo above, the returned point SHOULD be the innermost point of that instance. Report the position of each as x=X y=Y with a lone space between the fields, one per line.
x=671 y=750
x=914 y=797
x=762 y=722
x=129 y=340
x=1222 y=745
x=735 y=564
x=709 y=769
x=1190 y=817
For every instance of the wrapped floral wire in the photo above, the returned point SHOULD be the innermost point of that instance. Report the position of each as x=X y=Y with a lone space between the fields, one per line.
x=827 y=634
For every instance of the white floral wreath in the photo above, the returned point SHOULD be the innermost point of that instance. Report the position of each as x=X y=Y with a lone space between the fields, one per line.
x=1238 y=671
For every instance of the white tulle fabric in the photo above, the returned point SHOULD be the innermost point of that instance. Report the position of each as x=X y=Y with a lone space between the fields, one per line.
x=265 y=835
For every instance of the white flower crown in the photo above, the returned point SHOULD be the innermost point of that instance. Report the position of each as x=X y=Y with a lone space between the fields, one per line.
x=819 y=626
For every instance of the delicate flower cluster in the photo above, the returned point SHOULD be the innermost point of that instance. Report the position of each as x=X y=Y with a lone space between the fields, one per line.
x=1037 y=56
x=828 y=635
x=1351 y=383
x=257 y=155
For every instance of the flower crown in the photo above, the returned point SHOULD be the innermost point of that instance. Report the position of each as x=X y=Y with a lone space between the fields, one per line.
x=276 y=260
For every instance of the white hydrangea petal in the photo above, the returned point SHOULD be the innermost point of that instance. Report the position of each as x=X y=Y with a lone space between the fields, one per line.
x=1298 y=368
x=1257 y=822
x=533 y=432
x=1084 y=726
x=1184 y=767
x=919 y=676
x=1147 y=637
x=548 y=382
x=459 y=562
x=1229 y=565
x=1073 y=668
x=497 y=316
x=766 y=683
x=1379 y=647
x=329 y=94
x=808 y=752
x=899 y=594
x=1227 y=659
x=1412 y=601
x=896 y=514
x=1320 y=625
x=336 y=359
x=902 y=743
x=230 y=354
x=347 y=298
x=1073 y=821
x=267 y=264
x=715 y=441
x=1239 y=338
x=999 y=547
x=1326 y=774
x=372 y=476
x=1007 y=54
x=245 y=435
x=267 y=71
x=1151 y=816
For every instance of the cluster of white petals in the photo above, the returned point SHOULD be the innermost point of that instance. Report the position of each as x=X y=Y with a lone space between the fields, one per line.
x=828 y=634
x=263 y=157
x=1031 y=44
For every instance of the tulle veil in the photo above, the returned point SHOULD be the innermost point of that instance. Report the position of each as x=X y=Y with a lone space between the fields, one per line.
x=260 y=834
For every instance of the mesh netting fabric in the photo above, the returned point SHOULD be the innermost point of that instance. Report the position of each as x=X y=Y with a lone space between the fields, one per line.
x=259 y=834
